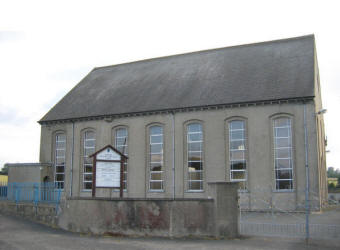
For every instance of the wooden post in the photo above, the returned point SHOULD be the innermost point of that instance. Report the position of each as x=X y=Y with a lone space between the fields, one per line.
x=121 y=177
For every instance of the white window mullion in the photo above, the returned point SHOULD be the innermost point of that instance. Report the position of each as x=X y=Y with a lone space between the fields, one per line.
x=121 y=143
x=89 y=139
x=237 y=160
x=156 y=165
x=59 y=165
x=282 y=171
x=194 y=148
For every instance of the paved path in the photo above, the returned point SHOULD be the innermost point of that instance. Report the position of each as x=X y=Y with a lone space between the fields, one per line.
x=17 y=233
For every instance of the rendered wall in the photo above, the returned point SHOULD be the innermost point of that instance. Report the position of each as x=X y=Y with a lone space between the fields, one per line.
x=216 y=158
x=29 y=172
x=214 y=217
x=322 y=168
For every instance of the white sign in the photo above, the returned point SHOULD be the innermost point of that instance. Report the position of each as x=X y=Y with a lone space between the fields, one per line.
x=108 y=154
x=107 y=174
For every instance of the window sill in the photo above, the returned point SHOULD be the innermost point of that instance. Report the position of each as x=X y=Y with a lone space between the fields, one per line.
x=194 y=191
x=90 y=190
x=118 y=190
x=284 y=191
x=156 y=191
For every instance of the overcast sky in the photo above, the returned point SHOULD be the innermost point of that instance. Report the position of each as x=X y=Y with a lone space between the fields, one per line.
x=47 y=47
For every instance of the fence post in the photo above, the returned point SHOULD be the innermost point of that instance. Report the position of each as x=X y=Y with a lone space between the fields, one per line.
x=36 y=193
x=16 y=192
x=57 y=200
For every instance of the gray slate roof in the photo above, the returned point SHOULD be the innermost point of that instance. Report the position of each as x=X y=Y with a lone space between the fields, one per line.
x=281 y=69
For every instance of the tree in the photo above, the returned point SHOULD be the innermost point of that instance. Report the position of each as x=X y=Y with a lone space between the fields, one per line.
x=4 y=170
x=331 y=173
x=331 y=185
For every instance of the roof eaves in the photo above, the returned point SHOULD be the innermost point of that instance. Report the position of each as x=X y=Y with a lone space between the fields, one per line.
x=180 y=109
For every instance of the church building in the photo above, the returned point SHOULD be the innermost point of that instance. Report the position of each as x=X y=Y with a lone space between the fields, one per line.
x=250 y=114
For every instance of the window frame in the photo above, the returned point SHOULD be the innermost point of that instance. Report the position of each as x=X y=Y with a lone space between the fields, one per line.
x=56 y=156
x=245 y=151
x=149 y=153
x=83 y=156
x=291 y=152
x=202 y=156
x=126 y=145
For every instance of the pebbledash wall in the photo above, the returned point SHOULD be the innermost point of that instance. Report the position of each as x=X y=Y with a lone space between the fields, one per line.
x=259 y=140
x=216 y=216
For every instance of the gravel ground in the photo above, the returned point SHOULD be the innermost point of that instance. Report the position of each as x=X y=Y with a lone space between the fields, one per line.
x=17 y=233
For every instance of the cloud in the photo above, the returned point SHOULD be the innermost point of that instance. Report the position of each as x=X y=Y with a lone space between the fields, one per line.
x=10 y=116
x=43 y=55
x=11 y=36
x=69 y=74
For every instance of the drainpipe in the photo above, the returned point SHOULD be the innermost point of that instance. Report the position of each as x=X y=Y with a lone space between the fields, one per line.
x=173 y=154
x=72 y=155
x=307 y=173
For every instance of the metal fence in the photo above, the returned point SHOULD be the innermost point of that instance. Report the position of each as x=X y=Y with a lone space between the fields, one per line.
x=273 y=221
x=317 y=231
x=3 y=190
x=47 y=192
x=273 y=229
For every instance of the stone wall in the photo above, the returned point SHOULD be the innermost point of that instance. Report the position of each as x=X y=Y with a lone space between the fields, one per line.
x=42 y=213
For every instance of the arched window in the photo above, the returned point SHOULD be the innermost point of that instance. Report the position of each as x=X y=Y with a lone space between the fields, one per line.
x=59 y=160
x=89 y=145
x=121 y=144
x=156 y=158
x=283 y=158
x=195 y=156
x=237 y=152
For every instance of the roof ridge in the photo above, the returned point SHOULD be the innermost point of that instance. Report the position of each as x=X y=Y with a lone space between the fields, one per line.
x=206 y=50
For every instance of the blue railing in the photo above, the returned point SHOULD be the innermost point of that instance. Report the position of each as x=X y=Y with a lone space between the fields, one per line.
x=47 y=192
x=3 y=190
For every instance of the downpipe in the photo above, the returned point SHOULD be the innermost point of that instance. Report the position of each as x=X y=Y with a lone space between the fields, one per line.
x=72 y=155
x=307 y=173
x=173 y=154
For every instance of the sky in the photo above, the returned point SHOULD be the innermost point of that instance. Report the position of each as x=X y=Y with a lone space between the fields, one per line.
x=47 y=47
